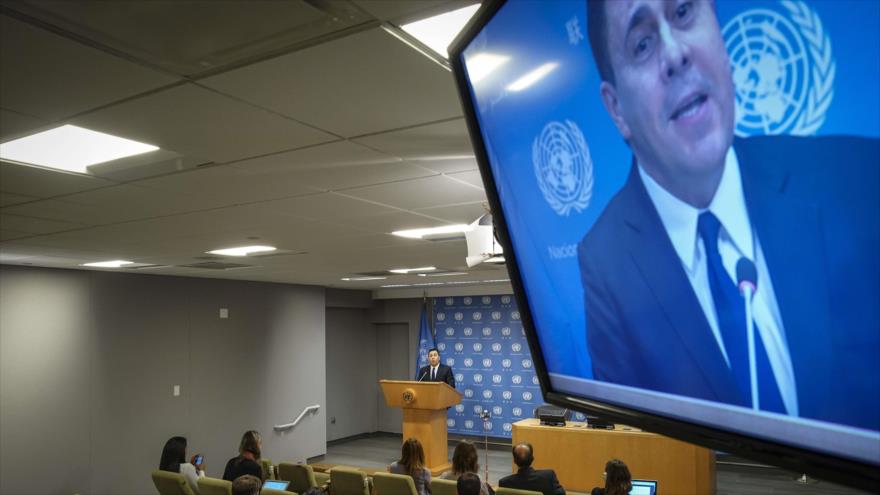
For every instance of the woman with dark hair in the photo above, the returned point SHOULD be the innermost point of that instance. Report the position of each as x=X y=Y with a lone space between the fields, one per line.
x=248 y=459
x=464 y=460
x=412 y=463
x=174 y=459
x=617 y=479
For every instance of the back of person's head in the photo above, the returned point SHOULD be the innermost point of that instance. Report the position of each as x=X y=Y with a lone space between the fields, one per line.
x=251 y=442
x=523 y=454
x=173 y=454
x=412 y=456
x=468 y=484
x=246 y=484
x=617 y=478
x=464 y=458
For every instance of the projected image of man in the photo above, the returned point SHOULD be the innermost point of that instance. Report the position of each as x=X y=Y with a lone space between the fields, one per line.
x=659 y=267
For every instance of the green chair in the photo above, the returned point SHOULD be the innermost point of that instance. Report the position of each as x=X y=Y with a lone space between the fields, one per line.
x=268 y=472
x=301 y=476
x=394 y=484
x=214 y=486
x=272 y=491
x=514 y=491
x=168 y=483
x=346 y=481
x=441 y=487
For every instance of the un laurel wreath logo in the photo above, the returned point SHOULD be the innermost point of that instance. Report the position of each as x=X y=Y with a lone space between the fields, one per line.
x=783 y=70
x=563 y=167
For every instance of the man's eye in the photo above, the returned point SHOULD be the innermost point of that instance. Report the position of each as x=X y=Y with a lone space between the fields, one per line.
x=683 y=11
x=642 y=46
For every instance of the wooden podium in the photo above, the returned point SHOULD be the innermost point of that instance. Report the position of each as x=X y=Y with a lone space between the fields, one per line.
x=424 y=416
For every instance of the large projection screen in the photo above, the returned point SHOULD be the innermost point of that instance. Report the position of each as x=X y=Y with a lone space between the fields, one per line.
x=688 y=197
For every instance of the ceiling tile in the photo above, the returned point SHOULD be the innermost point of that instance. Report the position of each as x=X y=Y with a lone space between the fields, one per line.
x=42 y=59
x=325 y=206
x=440 y=140
x=198 y=122
x=426 y=192
x=472 y=177
x=128 y=202
x=8 y=199
x=334 y=154
x=44 y=183
x=364 y=83
x=14 y=125
x=464 y=213
x=33 y=225
x=449 y=165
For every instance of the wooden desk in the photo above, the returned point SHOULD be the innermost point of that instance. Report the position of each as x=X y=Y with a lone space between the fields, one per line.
x=578 y=455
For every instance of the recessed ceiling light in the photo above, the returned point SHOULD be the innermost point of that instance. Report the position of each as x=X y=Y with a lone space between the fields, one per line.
x=420 y=233
x=532 y=77
x=444 y=274
x=109 y=264
x=395 y=285
x=404 y=271
x=71 y=148
x=438 y=32
x=361 y=279
x=242 y=251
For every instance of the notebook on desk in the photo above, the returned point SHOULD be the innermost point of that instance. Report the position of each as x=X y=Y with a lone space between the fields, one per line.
x=643 y=487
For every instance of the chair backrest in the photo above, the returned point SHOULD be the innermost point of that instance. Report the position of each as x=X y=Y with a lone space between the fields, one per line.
x=168 y=483
x=514 y=491
x=214 y=486
x=344 y=481
x=442 y=487
x=394 y=484
x=300 y=476
x=268 y=472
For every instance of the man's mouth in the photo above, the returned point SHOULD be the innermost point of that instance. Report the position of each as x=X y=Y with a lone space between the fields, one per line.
x=689 y=106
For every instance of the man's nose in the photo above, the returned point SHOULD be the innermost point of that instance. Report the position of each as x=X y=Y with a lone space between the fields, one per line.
x=674 y=53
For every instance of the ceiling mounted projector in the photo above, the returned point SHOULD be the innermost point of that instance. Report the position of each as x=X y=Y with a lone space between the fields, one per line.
x=482 y=247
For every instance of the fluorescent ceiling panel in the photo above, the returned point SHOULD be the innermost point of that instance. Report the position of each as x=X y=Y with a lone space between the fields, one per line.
x=71 y=148
x=438 y=32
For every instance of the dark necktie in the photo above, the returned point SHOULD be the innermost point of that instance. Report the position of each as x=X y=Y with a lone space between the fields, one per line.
x=730 y=310
x=433 y=374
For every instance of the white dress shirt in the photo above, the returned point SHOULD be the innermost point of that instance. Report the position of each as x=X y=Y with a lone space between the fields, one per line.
x=735 y=240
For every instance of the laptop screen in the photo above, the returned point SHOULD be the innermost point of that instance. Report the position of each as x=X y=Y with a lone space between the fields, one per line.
x=643 y=487
x=276 y=484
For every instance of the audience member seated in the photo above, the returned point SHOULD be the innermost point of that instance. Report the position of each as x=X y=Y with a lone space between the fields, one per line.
x=617 y=479
x=174 y=460
x=412 y=462
x=248 y=459
x=469 y=484
x=528 y=478
x=464 y=461
x=247 y=485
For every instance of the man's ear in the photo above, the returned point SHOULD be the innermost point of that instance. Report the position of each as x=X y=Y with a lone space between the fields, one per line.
x=612 y=106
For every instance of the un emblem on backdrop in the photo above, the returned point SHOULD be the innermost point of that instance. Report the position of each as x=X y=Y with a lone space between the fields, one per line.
x=459 y=408
x=496 y=347
x=468 y=393
x=469 y=424
x=478 y=378
x=487 y=363
x=478 y=347
x=526 y=363
x=505 y=299
x=441 y=316
x=487 y=394
x=516 y=347
x=468 y=362
x=507 y=395
x=441 y=346
x=783 y=70
x=487 y=332
x=467 y=301
x=450 y=361
x=507 y=427
x=517 y=411
x=505 y=331
x=449 y=301
x=468 y=331
x=506 y=363
x=496 y=315
x=459 y=347
x=563 y=167
x=458 y=316
x=527 y=396
x=496 y=379
x=450 y=423
x=477 y=316
x=514 y=315
x=487 y=300
x=516 y=379
x=497 y=410
x=459 y=377
x=450 y=331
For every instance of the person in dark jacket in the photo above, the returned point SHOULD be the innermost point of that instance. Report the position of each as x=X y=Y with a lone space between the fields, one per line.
x=528 y=478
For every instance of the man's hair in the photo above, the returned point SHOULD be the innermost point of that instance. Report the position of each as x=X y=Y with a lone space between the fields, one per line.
x=247 y=484
x=433 y=349
x=597 y=31
x=523 y=459
x=468 y=484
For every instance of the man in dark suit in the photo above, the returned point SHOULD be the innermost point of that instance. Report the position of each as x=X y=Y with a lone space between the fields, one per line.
x=529 y=478
x=436 y=371
x=659 y=266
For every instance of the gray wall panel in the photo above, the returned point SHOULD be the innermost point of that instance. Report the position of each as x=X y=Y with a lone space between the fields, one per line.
x=45 y=357
x=351 y=373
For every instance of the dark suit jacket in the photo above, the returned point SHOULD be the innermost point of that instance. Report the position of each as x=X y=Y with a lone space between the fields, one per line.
x=539 y=480
x=444 y=374
x=813 y=203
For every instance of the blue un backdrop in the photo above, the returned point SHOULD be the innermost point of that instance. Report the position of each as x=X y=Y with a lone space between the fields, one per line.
x=482 y=339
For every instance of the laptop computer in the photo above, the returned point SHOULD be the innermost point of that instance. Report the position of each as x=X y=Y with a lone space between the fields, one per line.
x=644 y=487
x=276 y=484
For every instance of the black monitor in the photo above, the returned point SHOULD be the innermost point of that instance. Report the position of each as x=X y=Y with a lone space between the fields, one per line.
x=687 y=198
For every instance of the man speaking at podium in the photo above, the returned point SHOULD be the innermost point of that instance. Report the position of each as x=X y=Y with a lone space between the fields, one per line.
x=435 y=371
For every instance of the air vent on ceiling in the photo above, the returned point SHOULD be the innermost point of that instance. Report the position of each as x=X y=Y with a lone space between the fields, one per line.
x=216 y=265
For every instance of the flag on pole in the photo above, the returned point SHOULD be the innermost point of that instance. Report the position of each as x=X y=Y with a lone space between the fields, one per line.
x=426 y=339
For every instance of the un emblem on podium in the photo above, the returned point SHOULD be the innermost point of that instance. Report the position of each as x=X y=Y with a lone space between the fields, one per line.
x=409 y=396
x=783 y=70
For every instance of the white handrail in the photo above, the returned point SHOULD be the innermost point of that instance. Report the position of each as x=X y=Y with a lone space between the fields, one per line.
x=309 y=409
